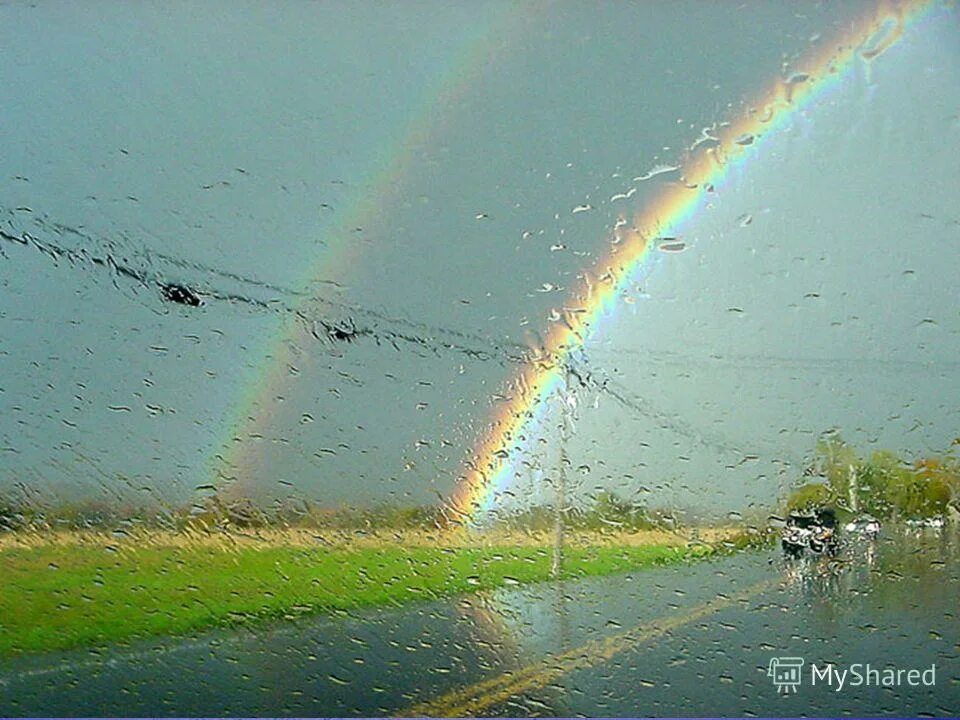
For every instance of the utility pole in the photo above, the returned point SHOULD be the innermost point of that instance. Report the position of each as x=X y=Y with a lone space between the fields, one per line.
x=566 y=428
x=854 y=490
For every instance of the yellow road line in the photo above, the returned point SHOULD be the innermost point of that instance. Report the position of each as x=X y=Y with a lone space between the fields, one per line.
x=470 y=701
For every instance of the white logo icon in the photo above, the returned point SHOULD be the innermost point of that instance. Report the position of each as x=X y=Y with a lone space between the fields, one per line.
x=785 y=672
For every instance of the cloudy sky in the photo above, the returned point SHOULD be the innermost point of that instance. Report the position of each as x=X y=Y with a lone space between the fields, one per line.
x=376 y=205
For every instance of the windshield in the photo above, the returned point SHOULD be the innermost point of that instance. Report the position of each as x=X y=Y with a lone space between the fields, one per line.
x=458 y=359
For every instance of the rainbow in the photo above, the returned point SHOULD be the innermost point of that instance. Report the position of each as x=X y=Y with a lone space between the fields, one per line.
x=493 y=464
x=231 y=463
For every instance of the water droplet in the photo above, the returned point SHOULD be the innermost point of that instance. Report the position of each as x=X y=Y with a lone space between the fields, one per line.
x=656 y=170
x=671 y=245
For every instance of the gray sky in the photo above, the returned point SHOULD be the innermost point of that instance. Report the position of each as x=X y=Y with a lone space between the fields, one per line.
x=413 y=167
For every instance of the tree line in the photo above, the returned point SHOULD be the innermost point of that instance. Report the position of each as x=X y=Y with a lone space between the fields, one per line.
x=214 y=512
x=219 y=511
x=882 y=484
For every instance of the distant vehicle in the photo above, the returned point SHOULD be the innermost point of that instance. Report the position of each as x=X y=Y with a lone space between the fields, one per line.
x=865 y=527
x=932 y=522
x=825 y=538
x=795 y=537
x=814 y=531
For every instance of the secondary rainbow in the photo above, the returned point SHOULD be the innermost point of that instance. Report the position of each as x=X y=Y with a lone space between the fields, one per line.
x=232 y=462
x=492 y=467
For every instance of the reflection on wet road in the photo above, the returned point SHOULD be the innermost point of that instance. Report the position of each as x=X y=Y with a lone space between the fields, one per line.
x=691 y=640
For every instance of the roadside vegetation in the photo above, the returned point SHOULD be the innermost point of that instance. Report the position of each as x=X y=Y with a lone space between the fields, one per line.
x=79 y=594
x=94 y=571
x=608 y=512
x=882 y=484
x=88 y=574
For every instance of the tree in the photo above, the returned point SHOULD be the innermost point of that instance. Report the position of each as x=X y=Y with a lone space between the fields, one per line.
x=609 y=509
x=942 y=477
x=881 y=483
x=810 y=496
x=11 y=514
x=837 y=462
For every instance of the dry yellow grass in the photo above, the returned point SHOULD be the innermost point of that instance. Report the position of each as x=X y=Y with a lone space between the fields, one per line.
x=343 y=539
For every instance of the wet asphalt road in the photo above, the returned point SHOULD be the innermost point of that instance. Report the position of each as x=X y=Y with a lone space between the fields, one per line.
x=684 y=640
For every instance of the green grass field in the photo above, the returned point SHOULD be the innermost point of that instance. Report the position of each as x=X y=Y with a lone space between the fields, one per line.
x=66 y=596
